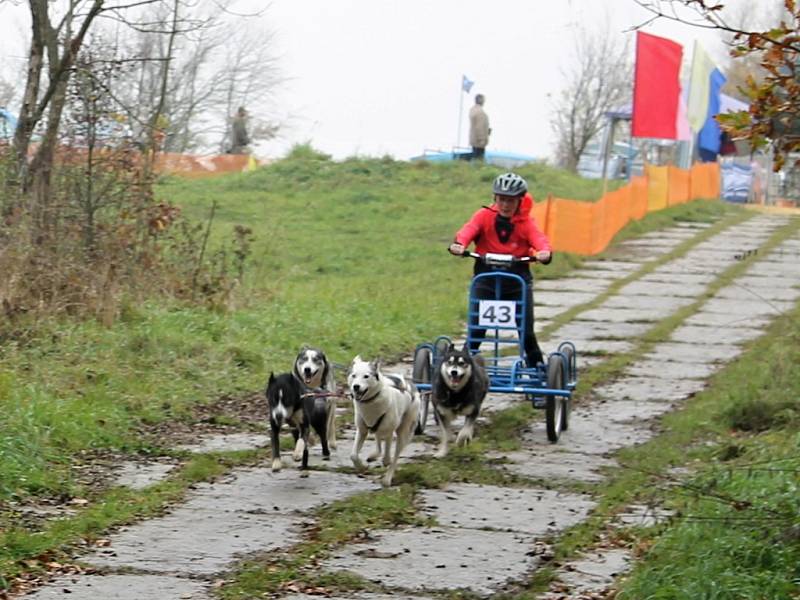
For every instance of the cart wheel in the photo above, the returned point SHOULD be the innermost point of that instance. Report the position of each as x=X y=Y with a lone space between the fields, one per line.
x=440 y=346
x=554 y=407
x=421 y=373
x=567 y=408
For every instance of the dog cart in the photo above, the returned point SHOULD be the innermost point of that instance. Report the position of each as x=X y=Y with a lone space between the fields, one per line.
x=499 y=323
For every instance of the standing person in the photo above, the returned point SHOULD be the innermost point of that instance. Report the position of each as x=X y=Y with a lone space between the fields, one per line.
x=239 y=138
x=507 y=227
x=479 y=129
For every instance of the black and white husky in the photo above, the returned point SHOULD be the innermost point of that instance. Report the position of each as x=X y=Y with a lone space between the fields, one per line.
x=292 y=405
x=313 y=369
x=458 y=387
x=385 y=405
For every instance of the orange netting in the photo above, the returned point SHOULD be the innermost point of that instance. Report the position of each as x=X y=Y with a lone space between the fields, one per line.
x=587 y=228
x=197 y=166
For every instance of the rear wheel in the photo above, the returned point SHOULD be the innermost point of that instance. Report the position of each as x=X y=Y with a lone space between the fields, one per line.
x=569 y=369
x=554 y=407
x=421 y=373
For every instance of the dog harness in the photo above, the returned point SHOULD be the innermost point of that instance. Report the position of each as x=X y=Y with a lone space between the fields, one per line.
x=374 y=427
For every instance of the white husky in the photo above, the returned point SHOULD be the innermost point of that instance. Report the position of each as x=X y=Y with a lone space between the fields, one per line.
x=385 y=405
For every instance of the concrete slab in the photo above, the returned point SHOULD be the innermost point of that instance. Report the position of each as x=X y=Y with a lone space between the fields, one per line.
x=667 y=274
x=753 y=307
x=601 y=346
x=591 y=575
x=695 y=353
x=762 y=284
x=588 y=331
x=547 y=312
x=691 y=334
x=536 y=512
x=227 y=442
x=252 y=510
x=138 y=475
x=122 y=587
x=664 y=304
x=573 y=283
x=653 y=287
x=718 y=319
x=612 y=265
x=625 y=411
x=659 y=245
x=650 y=389
x=766 y=294
x=603 y=274
x=421 y=559
x=549 y=463
x=589 y=435
x=193 y=541
x=654 y=367
x=562 y=298
x=605 y=314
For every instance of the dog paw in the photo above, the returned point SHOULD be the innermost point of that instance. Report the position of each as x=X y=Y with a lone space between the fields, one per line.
x=276 y=464
x=357 y=463
x=386 y=481
x=326 y=456
x=332 y=444
x=304 y=473
x=373 y=457
x=441 y=453
x=463 y=439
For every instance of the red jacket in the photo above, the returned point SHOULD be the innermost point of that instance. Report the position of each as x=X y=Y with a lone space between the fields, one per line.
x=525 y=240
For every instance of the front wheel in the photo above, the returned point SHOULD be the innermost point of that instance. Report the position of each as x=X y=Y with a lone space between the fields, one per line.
x=554 y=407
x=569 y=353
x=421 y=373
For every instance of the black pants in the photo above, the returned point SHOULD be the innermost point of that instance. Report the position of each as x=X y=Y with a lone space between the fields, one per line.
x=509 y=290
x=477 y=153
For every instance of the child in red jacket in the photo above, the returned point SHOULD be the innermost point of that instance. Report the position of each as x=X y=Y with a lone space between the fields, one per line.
x=507 y=227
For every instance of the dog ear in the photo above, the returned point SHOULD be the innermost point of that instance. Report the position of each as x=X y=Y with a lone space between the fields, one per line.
x=356 y=358
x=465 y=348
x=376 y=366
x=271 y=377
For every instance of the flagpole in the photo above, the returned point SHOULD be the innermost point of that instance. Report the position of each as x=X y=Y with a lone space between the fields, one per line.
x=460 y=112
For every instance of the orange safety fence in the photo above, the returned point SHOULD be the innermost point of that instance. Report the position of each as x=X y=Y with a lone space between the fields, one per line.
x=588 y=227
x=198 y=166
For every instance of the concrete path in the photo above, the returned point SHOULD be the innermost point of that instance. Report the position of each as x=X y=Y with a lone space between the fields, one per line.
x=486 y=539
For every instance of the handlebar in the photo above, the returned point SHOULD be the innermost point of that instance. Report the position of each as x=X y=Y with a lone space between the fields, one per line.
x=498 y=260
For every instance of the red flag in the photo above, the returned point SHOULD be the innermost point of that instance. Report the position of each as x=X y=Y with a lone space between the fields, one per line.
x=656 y=87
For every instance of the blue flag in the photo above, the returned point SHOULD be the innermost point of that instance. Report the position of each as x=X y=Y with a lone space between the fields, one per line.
x=466 y=84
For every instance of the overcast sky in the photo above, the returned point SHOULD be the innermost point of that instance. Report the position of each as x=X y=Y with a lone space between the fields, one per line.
x=374 y=77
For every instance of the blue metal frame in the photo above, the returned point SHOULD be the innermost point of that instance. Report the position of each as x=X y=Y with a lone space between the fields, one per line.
x=516 y=377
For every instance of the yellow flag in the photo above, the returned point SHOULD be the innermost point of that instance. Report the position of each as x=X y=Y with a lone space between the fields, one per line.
x=699 y=88
x=252 y=163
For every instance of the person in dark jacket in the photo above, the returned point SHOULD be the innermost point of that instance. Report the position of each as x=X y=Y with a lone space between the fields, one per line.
x=239 y=138
x=507 y=227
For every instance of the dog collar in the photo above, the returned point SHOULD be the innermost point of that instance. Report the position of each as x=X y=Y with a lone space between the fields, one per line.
x=378 y=393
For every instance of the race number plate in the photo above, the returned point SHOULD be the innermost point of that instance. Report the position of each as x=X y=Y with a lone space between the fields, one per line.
x=496 y=313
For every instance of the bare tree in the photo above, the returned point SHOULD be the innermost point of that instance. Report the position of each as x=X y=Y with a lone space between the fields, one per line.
x=598 y=79
x=225 y=61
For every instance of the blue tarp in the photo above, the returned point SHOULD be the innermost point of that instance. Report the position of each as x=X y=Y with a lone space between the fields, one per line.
x=737 y=179
x=8 y=123
x=506 y=160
